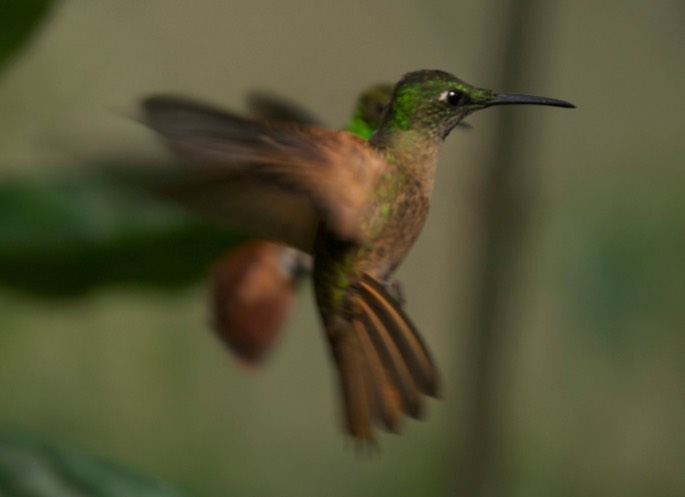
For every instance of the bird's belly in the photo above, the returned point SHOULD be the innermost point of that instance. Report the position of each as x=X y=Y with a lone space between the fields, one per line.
x=390 y=230
x=398 y=231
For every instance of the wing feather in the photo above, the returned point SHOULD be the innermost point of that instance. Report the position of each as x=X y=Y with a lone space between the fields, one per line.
x=331 y=173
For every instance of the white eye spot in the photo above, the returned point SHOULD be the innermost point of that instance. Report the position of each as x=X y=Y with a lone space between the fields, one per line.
x=443 y=96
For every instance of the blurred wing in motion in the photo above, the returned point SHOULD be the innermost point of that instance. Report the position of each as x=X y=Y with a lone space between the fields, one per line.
x=266 y=105
x=272 y=179
x=253 y=289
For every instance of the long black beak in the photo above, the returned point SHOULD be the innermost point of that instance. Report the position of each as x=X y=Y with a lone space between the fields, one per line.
x=522 y=99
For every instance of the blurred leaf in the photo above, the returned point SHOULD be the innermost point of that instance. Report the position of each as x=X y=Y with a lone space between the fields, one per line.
x=18 y=19
x=30 y=467
x=66 y=236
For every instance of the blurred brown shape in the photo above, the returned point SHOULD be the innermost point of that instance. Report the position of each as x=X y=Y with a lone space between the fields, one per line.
x=252 y=292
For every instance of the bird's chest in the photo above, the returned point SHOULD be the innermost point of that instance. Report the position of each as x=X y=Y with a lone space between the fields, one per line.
x=394 y=223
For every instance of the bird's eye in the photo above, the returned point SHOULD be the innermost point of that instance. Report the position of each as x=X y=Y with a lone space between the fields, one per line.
x=454 y=98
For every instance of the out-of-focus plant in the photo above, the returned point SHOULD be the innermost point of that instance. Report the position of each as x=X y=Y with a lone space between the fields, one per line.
x=39 y=468
x=68 y=235
x=18 y=20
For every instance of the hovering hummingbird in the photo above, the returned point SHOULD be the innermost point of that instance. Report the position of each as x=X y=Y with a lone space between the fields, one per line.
x=253 y=285
x=357 y=206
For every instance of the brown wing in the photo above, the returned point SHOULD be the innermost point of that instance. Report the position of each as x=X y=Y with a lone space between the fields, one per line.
x=288 y=177
x=265 y=210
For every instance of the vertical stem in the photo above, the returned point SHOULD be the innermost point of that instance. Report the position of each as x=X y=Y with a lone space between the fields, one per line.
x=505 y=199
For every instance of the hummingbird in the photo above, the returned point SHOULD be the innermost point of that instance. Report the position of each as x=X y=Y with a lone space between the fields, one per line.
x=357 y=206
x=253 y=285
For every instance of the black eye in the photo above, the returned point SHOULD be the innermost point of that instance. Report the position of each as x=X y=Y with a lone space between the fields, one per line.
x=455 y=98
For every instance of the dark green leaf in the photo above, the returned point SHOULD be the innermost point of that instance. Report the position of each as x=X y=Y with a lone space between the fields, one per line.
x=30 y=467
x=67 y=236
x=18 y=19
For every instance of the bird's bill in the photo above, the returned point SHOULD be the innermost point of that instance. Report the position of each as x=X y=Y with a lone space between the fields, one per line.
x=523 y=99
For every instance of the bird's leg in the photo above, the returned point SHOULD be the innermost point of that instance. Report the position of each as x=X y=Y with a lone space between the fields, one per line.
x=394 y=287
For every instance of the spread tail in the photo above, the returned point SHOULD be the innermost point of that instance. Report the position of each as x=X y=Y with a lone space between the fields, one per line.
x=385 y=368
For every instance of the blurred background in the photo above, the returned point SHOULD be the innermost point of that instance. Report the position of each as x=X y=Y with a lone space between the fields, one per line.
x=548 y=282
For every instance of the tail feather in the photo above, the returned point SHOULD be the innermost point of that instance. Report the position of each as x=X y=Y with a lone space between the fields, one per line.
x=404 y=334
x=384 y=365
x=356 y=387
x=395 y=366
x=387 y=401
